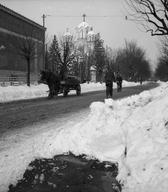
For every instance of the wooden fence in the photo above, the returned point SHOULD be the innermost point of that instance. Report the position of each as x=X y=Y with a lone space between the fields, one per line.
x=15 y=80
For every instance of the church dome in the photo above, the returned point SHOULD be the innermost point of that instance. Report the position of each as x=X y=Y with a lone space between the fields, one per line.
x=91 y=32
x=82 y=29
x=91 y=35
x=83 y=24
x=67 y=35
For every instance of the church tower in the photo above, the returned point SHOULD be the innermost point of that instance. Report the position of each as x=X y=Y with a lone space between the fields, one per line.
x=82 y=29
x=85 y=36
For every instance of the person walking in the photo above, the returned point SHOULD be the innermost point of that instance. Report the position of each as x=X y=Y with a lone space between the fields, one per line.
x=109 y=79
x=119 y=82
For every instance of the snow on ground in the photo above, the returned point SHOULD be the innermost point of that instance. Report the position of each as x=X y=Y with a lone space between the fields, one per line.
x=132 y=131
x=11 y=93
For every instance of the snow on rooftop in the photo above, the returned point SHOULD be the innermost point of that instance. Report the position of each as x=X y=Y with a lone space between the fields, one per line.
x=67 y=33
x=91 y=33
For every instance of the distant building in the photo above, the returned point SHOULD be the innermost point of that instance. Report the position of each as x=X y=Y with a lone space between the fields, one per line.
x=84 y=37
x=13 y=29
x=84 y=41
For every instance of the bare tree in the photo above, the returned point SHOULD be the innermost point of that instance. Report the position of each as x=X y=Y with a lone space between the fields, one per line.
x=66 y=56
x=132 y=61
x=161 y=71
x=99 y=54
x=28 y=48
x=164 y=47
x=152 y=14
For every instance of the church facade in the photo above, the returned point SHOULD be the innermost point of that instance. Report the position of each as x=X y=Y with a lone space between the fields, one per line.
x=84 y=37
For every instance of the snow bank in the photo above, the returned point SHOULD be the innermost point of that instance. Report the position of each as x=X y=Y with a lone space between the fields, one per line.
x=12 y=93
x=132 y=131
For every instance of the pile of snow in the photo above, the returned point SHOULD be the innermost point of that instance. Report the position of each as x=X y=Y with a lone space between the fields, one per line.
x=132 y=131
x=12 y=93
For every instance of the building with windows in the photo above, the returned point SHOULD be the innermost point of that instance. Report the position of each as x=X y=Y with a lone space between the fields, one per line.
x=18 y=36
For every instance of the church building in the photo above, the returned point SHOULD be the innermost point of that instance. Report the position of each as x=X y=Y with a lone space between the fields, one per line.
x=84 y=37
x=84 y=42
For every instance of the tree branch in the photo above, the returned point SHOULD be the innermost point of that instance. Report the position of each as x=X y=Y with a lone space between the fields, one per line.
x=155 y=13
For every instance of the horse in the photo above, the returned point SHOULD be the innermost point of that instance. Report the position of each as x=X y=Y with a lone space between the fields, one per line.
x=52 y=80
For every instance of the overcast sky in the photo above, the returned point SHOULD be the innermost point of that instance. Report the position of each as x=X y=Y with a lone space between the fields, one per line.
x=106 y=17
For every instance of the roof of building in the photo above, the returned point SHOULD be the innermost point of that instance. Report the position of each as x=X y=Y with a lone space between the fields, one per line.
x=67 y=33
x=13 y=13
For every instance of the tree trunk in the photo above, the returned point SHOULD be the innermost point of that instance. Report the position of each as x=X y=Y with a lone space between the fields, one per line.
x=28 y=72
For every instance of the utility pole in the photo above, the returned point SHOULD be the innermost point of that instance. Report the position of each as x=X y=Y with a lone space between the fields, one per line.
x=43 y=16
x=44 y=64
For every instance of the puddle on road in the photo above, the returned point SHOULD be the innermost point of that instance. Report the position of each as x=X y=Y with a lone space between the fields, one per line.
x=68 y=173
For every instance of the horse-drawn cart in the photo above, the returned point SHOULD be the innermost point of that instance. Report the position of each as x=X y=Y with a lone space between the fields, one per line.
x=57 y=86
x=70 y=83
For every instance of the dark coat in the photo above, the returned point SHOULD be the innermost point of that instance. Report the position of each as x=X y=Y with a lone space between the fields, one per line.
x=109 y=78
x=119 y=78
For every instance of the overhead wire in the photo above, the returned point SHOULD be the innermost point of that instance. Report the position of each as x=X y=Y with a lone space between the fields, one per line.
x=103 y=16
